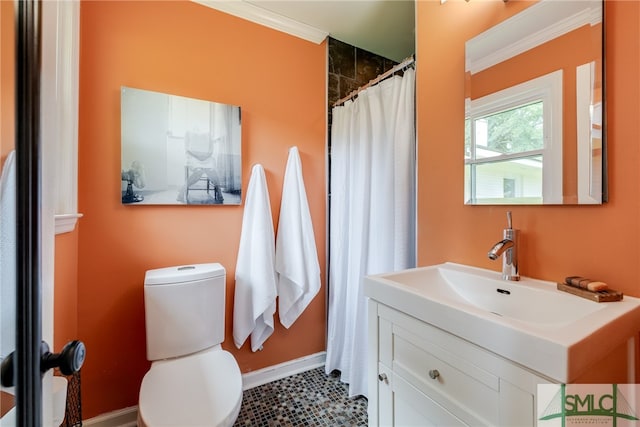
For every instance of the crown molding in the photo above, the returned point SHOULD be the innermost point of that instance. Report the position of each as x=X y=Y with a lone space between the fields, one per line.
x=540 y=23
x=251 y=12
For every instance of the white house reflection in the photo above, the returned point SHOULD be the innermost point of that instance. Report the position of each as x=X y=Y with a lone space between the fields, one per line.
x=185 y=150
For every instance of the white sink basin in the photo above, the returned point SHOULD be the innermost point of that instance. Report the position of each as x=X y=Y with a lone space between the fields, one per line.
x=529 y=322
x=528 y=300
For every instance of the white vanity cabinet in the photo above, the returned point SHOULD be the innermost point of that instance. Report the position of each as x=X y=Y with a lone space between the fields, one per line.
x=420 y=375
x=453 y=345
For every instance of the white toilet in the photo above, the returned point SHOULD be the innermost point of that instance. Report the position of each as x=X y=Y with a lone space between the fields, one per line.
x=192 y=380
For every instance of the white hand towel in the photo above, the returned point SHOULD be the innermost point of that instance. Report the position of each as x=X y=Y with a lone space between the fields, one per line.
x=255 y=293
x=8 y=253
x=296 y=253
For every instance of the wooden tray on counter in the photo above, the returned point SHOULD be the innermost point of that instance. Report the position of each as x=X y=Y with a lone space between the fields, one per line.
x=607 y=295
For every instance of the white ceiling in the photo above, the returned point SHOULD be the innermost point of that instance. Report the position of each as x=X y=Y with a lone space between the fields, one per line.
x=383 y=27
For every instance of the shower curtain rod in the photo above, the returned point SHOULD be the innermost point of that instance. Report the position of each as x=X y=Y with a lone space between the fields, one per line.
x=406 y=63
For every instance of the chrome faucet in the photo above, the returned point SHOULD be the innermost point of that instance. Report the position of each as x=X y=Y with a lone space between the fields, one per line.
x=508 y=248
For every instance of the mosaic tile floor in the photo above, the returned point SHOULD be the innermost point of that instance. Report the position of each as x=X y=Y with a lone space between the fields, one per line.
x=307 y=399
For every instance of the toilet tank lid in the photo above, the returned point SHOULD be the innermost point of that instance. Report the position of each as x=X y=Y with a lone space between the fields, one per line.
x=183 y=273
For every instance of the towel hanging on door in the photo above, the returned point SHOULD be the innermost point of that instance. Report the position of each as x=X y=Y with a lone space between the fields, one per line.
x=255 y=293
x=296 y=255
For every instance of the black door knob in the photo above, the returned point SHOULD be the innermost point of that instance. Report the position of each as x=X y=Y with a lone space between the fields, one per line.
x=69 y=361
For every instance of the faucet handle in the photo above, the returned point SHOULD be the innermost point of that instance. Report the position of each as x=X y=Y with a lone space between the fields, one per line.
x=509 y=223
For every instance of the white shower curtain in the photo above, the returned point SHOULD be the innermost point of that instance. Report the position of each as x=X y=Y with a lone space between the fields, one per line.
x=372 y=214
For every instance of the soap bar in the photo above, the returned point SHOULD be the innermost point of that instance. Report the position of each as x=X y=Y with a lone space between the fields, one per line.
x=584 y=283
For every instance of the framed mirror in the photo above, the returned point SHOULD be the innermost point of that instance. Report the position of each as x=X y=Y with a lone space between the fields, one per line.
x=534 y=107
x=178 y=150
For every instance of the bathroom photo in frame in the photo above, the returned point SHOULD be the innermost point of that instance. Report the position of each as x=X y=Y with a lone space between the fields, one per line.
x=178 y=150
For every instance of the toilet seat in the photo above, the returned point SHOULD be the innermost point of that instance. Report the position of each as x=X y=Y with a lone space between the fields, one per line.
x=202 y=389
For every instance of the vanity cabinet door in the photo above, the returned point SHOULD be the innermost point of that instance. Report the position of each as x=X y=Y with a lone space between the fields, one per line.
x=517 y=406
x=385 y=395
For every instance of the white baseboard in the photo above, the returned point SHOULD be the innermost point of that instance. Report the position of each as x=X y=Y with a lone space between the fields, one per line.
x=128 y=417
x=283 y=370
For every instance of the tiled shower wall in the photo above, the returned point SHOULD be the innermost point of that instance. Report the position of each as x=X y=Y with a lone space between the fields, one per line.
x=350 y=68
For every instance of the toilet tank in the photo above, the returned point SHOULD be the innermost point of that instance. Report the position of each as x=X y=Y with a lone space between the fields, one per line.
x=184 y=309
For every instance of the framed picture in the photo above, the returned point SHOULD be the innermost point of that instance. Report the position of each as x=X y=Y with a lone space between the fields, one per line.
x=178 y=150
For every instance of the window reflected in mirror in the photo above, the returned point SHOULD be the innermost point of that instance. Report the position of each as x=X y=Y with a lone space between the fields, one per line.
x=513 y=139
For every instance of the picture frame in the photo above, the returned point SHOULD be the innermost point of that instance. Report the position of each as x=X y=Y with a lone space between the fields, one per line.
x=178 y=150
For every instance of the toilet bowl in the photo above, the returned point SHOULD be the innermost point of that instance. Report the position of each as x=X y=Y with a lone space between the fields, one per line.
x=192 y=380
x=204 y=389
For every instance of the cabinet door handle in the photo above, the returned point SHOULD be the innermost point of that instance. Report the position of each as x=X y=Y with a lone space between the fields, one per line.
x=433 y=373
x=382 y=377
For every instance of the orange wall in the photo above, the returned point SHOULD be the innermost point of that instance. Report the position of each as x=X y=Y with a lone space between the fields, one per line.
x=601 y=242
x=558 y=54
x=185 y=49
x=7 y=80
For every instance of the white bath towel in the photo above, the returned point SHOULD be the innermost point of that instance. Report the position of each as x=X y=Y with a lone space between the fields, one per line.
x=296 y=254
x=255 y=293
x=8 y=254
